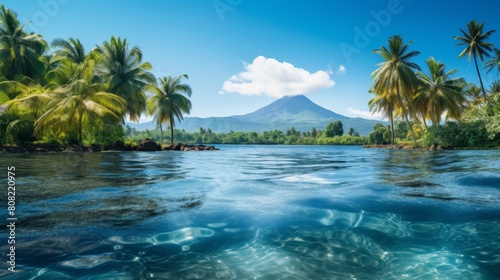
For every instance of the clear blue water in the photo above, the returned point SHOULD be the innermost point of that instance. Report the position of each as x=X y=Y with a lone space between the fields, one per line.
x=257 y=212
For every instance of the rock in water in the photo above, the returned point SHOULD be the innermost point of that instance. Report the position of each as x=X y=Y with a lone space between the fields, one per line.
x=149 y=145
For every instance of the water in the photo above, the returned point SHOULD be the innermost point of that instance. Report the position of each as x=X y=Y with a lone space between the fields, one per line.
x=256 y=212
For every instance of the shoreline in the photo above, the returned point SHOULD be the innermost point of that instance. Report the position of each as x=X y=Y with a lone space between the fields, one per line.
x=434 y=147
x=151 y=146
x=147 y=146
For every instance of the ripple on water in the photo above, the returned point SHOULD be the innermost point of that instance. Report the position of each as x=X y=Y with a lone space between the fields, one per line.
x=189 y=266
x=91 y=261
x=330 y=251
x=483 y=179
x=431 y=264
x=182 y=235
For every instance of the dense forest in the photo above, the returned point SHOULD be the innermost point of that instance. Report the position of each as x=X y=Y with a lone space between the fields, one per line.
x=61 y=93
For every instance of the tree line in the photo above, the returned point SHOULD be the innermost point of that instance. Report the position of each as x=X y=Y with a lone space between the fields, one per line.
x=333 y=134
x=62 y=93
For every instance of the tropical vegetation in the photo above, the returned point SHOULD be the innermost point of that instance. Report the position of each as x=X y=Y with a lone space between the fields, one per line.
x=289 y=137
x=169 y=102
x=59 y=93
x=403 y=92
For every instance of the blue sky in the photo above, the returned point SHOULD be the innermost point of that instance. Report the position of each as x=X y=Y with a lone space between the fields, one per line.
x=241 y=55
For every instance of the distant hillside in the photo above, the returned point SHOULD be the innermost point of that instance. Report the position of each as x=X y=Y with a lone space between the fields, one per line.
x=282 y=114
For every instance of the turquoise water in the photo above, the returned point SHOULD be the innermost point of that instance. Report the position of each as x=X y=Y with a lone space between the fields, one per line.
x=256 y=212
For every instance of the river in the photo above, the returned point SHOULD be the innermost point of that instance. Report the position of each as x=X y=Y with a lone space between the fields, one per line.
x=255 y=212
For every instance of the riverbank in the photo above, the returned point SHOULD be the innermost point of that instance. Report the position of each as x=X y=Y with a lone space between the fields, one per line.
x=407 y=147
x=434 y=147
x=146 y=145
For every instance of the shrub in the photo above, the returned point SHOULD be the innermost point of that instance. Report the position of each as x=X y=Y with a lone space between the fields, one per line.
x=461 y=135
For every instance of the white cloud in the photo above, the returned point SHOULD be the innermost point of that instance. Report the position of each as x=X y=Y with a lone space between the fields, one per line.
x=267 y=76
x=365 y=114
x=341 y=70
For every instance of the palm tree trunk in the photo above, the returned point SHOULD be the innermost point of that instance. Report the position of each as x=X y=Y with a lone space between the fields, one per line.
x=161 y=133
x=423 y=120
x=411 y=128
x=405 y=113
x=171 y=131
x=80 y=128
x=391 y=119
x=480 y=79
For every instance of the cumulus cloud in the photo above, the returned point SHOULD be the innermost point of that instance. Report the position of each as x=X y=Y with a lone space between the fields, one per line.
x=365 y=114
x=342 y=70
x=267 y=76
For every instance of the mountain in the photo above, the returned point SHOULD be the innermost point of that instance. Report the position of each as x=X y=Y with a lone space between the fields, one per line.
x=291 y=108
x=282 y=114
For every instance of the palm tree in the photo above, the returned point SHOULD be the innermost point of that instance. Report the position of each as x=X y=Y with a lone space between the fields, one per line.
x=71 y=49
x=20 y=53
x=439 y=93
x=476 y=46
x=495 y=92
x=169 y=102
x=493 y=62
x=127 y=75
x=473 y=94
x=495 y=87
x=395 y=77
x=78 y=101
x=23 y=105
x=383 y=103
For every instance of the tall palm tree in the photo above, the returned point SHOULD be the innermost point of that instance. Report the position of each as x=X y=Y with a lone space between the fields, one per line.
x=169 y=102
x=493 y=62
x=383 y=103
x=79 y=101
x=20 y=53
x=127 y=75
x=71 y=49
x=439 y=93
x=476 y=46
x=395 y=77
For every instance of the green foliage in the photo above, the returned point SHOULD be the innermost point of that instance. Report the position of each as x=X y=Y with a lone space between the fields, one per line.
x=352 y=132
x=401 y=130
x=206 y=136
x=343 y=140
x=394 y=81
x=476 y=44
x=126 y=75
x=380 y=135
x=439 y=93
x=334 y=129
x=21 y=53
x=489 y=114
x=169 y=102
x=459 y=135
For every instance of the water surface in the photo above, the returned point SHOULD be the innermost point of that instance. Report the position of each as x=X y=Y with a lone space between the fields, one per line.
x=257 y=212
